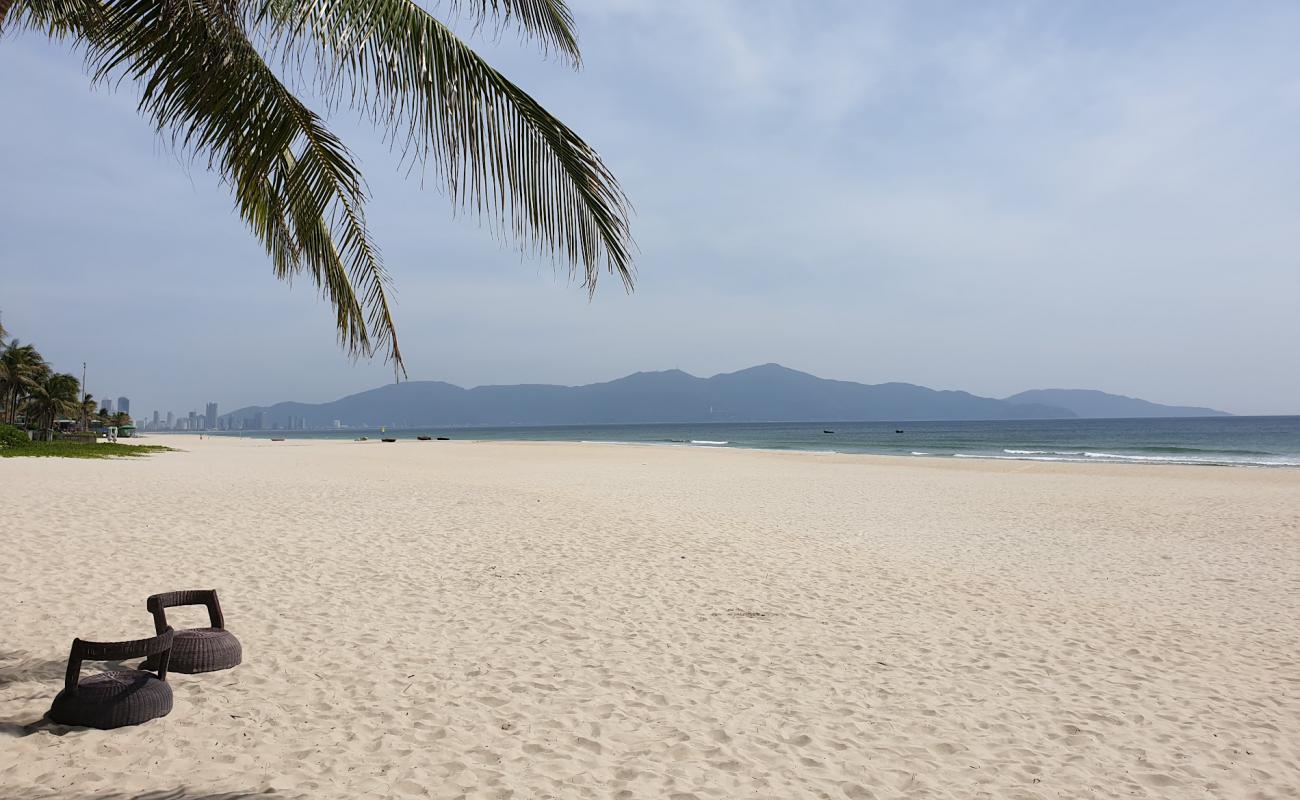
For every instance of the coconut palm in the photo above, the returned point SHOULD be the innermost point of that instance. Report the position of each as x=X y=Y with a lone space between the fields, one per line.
x=21 y=370
x=210 y=80
x=88 y=405
x=52 y=398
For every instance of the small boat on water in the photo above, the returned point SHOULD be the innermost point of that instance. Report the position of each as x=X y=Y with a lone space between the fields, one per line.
x=898 y=430
x=828 y=431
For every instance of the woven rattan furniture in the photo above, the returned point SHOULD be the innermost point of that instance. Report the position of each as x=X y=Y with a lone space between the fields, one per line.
x=118 y=697
x=197 y=649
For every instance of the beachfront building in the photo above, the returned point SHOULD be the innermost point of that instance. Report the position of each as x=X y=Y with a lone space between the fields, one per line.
x=124 y=405
x=211 y=415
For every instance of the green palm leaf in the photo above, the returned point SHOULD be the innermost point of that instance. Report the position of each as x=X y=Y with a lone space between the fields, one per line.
x=499 y=151
x=207 y=87
x=548 y=20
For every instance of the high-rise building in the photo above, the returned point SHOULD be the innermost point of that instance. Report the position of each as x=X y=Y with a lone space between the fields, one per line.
x=155 y=419
x=212 y=416
x=108 y=405
x=194 y=421
x=124 y=405
x=171 y=420
x=261 y=422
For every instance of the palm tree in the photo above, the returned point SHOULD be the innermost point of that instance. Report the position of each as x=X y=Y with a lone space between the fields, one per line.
x=52 y=398
x=21 y=370
x=205 y=68
x=87 y=410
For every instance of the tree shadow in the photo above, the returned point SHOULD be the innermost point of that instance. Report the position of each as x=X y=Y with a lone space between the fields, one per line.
x=24 y=669
x=181 y=793
x=51 y=673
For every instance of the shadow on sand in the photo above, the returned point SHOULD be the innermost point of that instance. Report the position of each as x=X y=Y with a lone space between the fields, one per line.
x=163 y=794
x=48 y=675
x=15 y=667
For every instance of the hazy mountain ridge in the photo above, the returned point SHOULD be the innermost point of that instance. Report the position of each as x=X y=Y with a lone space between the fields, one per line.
x=766 y=393
x=1094 y=404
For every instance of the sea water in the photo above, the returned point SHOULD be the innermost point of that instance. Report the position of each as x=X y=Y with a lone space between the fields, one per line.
x=1232 y=441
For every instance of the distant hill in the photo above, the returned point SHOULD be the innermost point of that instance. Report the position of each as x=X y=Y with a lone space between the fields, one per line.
x=767 y=393
x=1093 y=404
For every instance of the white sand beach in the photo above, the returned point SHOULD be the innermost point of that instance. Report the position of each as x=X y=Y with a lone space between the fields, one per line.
x=494 y=620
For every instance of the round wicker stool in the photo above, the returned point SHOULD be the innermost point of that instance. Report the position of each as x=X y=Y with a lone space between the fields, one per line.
x=117 y=698
x=196 y=649
x=203 y=650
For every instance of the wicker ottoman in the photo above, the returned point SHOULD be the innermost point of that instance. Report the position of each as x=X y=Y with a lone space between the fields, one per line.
x=196 y=649
x=117 y=698
x=204 y=650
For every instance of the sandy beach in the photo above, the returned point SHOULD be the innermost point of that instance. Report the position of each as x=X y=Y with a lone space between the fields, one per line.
x=494 y=620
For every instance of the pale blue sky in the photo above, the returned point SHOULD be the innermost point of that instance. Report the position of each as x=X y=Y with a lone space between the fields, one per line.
x=984 y=196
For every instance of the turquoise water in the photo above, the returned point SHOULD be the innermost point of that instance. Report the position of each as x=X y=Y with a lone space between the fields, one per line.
x=1235 y=441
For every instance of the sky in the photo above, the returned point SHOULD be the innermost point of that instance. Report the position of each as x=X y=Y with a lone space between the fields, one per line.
x=983 y=196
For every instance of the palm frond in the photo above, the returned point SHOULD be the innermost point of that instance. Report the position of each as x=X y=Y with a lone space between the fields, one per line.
x=56 y=18
x=549 y=20
x=206 y=87
x=499 y=151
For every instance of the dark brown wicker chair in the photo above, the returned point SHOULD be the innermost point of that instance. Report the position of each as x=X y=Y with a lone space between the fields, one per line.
x=118 y=697
x=197 y=649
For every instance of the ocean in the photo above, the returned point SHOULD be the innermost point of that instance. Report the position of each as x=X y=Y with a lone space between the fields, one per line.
x=1230 y=441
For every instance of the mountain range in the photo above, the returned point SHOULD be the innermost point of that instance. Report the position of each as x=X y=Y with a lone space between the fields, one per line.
x=1092 y=404
x=766 y=393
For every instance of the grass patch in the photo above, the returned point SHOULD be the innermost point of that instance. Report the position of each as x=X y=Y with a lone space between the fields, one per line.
x=59 y=449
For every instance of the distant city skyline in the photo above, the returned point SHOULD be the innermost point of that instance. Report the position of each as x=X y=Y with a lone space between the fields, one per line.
x=211 y=420
x=189 y=421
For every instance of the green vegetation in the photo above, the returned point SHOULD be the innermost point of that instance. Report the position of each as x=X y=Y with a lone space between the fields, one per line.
x=33 y=397
x=12 y=437
x=33 y=392
x=67 y=449
x=217 y=79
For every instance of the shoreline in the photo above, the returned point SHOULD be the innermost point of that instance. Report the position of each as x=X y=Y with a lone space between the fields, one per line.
x=1043 y=458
